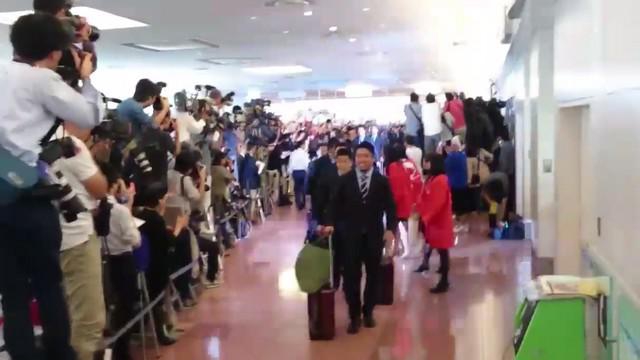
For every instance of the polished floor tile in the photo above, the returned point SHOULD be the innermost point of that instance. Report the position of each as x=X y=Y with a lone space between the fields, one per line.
x=259 y=314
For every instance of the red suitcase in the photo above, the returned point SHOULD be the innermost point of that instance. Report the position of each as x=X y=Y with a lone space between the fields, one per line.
x=386 y=283
x=322 y=319
x=321 y=308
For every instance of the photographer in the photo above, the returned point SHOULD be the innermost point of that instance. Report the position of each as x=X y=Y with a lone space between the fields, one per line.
x=187 y=189
x=80 y=251
x=132 y=109
x=123 y=237
x=186 y=125
x=32 y=95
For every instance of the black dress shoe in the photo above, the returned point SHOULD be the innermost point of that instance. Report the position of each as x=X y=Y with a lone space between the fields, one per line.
x=369 y=322
x=354 y=327
x=422 y=268
x=441 y=288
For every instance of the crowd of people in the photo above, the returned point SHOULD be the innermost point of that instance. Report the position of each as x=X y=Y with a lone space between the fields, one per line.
x=149 y=201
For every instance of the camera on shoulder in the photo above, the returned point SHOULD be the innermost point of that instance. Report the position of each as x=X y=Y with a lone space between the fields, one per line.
x=55 y=185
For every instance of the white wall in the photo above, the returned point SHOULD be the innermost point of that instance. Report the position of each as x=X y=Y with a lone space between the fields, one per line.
x=613 y=133
x=581 y=81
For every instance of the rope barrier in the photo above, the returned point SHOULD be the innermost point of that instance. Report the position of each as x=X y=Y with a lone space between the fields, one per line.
x=112 y=340
x=140 y=316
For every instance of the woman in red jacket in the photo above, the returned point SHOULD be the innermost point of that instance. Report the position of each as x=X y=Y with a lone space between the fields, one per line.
x=406 y=183
x=435 y=211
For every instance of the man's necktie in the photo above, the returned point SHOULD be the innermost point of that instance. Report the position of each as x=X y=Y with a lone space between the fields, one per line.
x=364 y=186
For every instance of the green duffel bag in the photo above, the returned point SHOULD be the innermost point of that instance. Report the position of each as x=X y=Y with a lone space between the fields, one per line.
x=313 y=266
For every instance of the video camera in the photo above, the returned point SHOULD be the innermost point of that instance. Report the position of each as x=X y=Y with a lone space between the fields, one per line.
x=56 y=185
x=84 y=36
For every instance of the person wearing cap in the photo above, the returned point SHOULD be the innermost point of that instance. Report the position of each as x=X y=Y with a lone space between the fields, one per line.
x=361 y=200
x=132 y=109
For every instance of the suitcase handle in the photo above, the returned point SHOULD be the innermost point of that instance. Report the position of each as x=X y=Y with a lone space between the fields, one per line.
x=331 y=280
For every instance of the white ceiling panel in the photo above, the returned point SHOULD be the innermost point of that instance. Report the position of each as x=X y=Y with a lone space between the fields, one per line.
x=398 y=42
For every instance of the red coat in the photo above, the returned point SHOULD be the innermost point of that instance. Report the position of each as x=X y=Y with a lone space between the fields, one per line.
x=436 y=214
x=406 y=184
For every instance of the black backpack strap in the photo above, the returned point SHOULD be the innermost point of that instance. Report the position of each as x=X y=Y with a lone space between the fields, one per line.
x=47 y=137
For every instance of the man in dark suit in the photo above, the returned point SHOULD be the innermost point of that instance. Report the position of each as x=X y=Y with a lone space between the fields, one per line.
x=361 y=200
x=321 y=179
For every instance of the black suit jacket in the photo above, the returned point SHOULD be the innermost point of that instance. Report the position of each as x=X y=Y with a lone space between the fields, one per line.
x=362 y=218
x=325 y=176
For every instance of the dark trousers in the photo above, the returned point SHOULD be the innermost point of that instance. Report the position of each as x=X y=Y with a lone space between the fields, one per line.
x=212 y=249
x=222 y=229
x=299 y=177
x=354 y=256
x=183 y=258
x=30 y=238
x=122 y=271
x=444 y=262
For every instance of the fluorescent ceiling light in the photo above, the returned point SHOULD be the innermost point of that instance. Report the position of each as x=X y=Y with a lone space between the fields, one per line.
x=253 y=17
x=366 y=9
x=8 y=18
x=285 y=32
x=98 y=18
x=352 y=40
x=278 y=70
x=333 y=29
x=308 y=13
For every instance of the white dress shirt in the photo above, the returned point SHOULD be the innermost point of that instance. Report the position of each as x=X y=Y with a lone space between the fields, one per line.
x=123 y=232
x=30 y=100
x=299 y=160
x=187 y=126
x=431 y=120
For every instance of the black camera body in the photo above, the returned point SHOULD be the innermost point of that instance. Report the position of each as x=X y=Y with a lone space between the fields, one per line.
x=56 y=185
x=102 y=218
x=157 y=105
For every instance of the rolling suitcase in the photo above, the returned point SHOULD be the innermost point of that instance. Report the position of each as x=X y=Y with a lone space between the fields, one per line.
x=321 y=308
x=386 y=282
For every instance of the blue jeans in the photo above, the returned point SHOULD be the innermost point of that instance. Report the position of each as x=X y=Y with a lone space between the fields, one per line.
x=30 y=267
x=299 y=177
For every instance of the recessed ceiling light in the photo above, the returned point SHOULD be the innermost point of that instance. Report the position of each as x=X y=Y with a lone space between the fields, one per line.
x=366 y=9
x=333 y=29
x=352 y=40
x=253 y=18
x=278 y=70
x=98 y=18
x=308 y=13
x=285 y=32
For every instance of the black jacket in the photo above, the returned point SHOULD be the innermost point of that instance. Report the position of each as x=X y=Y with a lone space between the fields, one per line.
x=325 y=175
x=363 y=218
